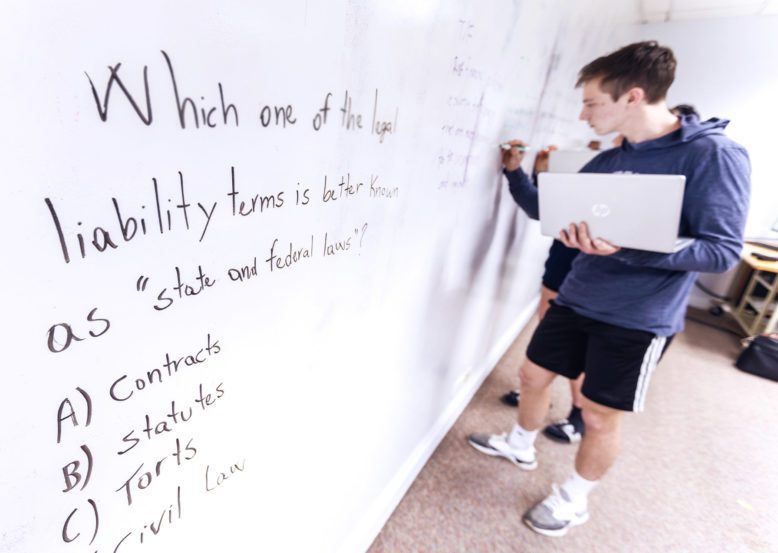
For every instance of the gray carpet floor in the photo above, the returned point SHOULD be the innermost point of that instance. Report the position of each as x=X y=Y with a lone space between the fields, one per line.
x=698 y=470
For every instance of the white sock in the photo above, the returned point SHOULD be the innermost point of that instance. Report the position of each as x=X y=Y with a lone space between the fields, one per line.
x=521 y=438
x=577 y=488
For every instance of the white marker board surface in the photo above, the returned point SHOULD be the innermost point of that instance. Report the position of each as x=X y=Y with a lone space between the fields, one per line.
x=257 y=257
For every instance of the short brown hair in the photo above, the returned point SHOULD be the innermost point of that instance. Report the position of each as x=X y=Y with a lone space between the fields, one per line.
x=643 y=64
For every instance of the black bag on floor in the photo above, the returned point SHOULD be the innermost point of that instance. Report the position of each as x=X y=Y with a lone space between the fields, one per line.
x=760 y=357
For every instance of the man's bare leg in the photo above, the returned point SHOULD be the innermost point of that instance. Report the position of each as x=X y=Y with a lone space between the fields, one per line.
x=517 y=446
x=535 y=395
x=567 y=505
x=601 y=444
x=546 y=295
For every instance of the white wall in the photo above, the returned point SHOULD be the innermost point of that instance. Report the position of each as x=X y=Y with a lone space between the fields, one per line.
x=728 y=68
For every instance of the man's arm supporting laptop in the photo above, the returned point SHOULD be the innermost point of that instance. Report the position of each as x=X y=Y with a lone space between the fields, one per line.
x=715 y=210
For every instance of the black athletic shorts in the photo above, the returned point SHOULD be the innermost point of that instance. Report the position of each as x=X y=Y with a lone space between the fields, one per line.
x=618 y=361
x=560 y=259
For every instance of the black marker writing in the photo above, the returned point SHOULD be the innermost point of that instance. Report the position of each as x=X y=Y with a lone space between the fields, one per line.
x=102 y=111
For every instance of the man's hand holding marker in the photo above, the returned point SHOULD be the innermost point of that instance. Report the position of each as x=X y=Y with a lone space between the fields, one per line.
x=576 y=235
x=513 y=154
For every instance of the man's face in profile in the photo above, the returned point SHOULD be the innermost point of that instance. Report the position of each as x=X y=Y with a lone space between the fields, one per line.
x=600 y=111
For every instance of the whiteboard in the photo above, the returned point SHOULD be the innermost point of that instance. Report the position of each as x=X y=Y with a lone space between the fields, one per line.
x=258 y=256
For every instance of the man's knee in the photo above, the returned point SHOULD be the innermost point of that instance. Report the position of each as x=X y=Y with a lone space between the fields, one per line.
x=599 y=418
x=535 y=377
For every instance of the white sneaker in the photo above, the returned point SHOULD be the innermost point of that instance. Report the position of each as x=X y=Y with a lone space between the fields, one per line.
x=556 y=514
x=497 y=445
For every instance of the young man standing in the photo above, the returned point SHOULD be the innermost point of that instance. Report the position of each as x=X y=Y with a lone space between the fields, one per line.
x=618 y=308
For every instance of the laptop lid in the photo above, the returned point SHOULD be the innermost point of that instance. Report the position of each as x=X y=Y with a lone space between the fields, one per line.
x=629 y=210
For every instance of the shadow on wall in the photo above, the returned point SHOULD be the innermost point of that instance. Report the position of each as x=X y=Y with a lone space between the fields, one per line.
x=451 y=313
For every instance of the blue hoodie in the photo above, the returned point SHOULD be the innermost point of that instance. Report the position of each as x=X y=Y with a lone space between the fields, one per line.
x=645 y=290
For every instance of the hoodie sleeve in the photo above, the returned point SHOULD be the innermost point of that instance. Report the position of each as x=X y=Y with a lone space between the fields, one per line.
x=522 y=190
x=715 y=209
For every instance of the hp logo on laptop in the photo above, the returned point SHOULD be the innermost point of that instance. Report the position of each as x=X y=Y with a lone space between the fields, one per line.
x=601 y=210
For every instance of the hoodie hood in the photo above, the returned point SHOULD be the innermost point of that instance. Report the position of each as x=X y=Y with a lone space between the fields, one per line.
x=691 y=129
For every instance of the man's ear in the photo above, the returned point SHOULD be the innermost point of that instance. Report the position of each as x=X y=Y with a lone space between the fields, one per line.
x=635 y=95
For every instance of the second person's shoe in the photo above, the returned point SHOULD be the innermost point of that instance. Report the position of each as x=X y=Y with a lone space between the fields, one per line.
x=563 y=431
x=510 y=398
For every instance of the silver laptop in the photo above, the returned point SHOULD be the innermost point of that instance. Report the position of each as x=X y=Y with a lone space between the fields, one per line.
x=569 y=161
x=628 y=210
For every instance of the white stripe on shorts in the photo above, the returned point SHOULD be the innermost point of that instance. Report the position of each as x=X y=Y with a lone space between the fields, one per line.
x=650 y=360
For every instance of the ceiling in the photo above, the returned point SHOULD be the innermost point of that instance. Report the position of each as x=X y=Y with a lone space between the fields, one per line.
x=673 y=10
